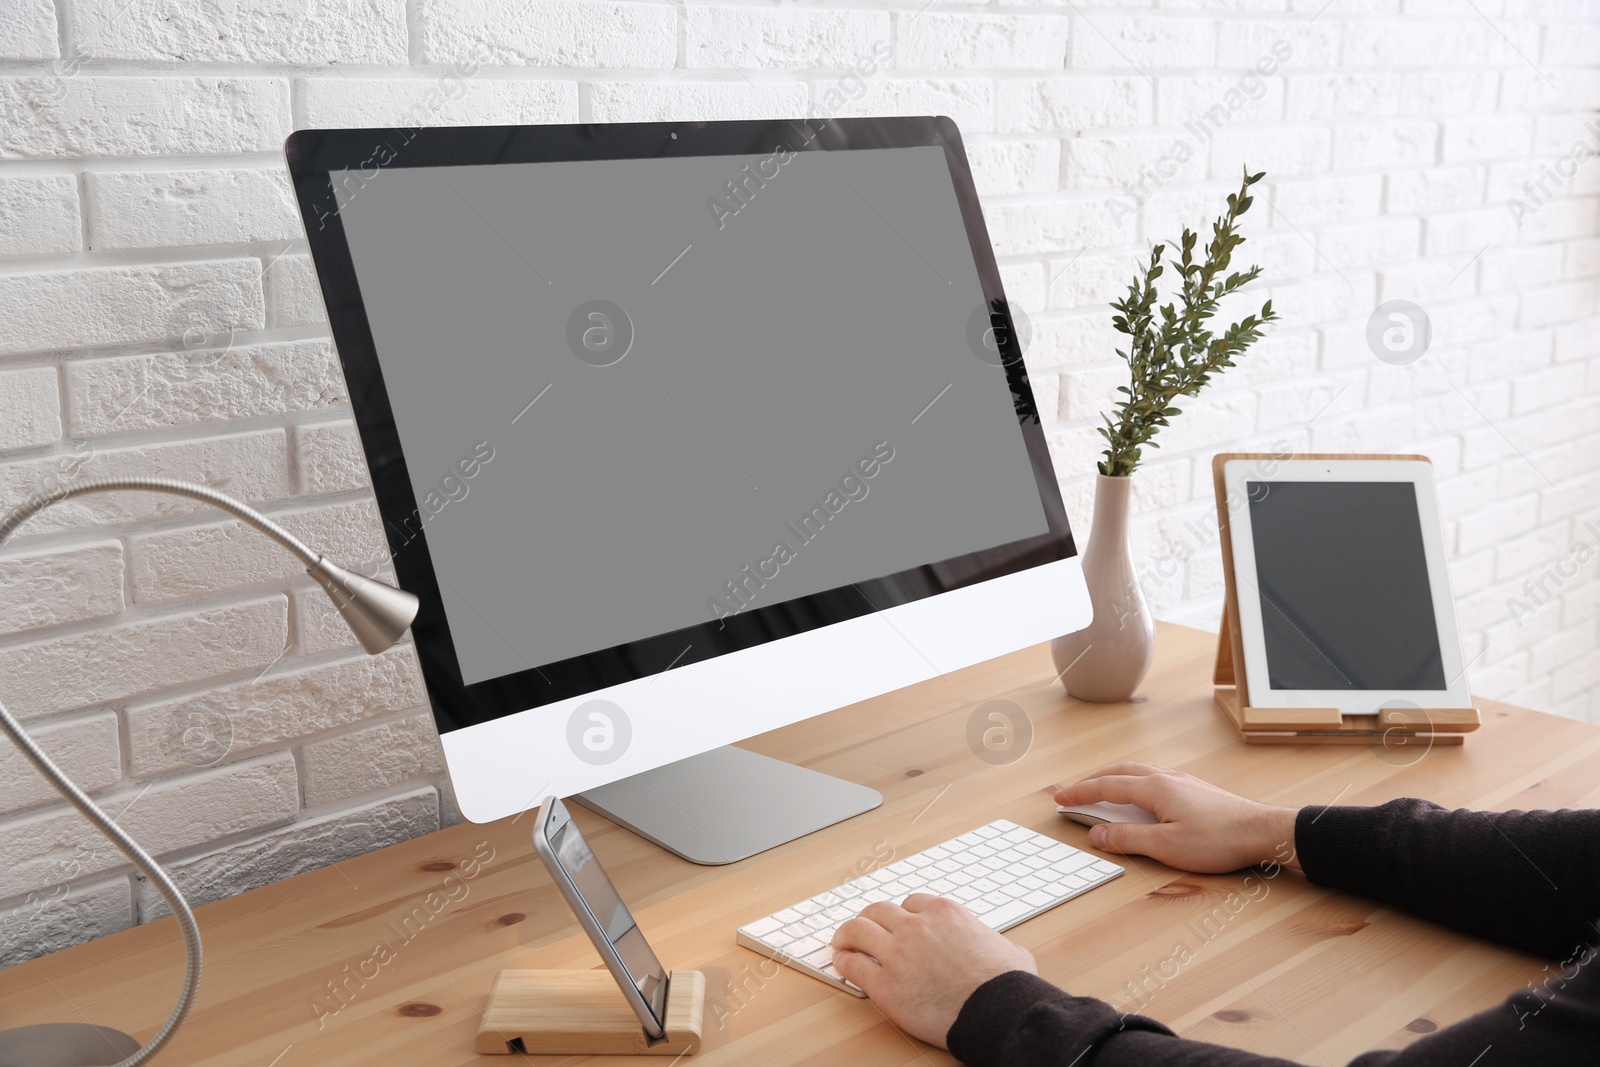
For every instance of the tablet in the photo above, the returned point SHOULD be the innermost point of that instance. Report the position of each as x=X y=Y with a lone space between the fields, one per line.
x=1340 y=578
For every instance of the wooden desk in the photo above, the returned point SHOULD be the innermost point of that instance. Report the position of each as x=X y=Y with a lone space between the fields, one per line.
x=1299 y=972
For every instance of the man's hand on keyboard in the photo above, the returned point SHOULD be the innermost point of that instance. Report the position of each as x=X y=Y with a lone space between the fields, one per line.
x=1203 y=828
x=921 y=960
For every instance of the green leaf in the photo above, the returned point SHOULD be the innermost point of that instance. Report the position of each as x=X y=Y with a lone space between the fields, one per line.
x=1172 y=349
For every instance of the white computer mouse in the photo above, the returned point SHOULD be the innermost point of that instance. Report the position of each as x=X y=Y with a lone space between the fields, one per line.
x=1104 y=811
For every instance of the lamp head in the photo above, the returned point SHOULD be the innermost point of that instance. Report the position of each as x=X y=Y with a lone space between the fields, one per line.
x=377 y=613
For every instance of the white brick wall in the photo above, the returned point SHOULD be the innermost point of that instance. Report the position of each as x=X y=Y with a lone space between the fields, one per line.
x=156 y=209
x=274 y=31
x=158 y=313
x=41 y=214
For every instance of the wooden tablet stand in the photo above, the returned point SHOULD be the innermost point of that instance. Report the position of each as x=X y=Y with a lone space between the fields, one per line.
x=583 y=1013
x=1390 y=727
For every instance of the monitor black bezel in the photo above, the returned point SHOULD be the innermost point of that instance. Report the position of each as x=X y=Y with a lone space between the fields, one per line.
x=314 y=156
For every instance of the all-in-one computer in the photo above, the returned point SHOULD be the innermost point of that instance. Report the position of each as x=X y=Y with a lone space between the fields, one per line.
x=683 y=432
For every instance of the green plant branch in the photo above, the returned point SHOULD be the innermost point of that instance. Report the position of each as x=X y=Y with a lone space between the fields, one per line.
x=1172 y=350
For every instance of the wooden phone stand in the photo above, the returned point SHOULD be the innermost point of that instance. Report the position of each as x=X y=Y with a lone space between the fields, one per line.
x=583 y=1013
x=1390 y=727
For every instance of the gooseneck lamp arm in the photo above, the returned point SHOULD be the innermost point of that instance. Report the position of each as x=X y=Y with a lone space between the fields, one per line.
x=377 y=613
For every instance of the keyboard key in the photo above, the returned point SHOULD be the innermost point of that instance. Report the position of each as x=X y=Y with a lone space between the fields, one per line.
x=1069 y=864
x=762 y=927
x=819 y=959
x=804 y=947
x=831 y=972
x=1005 y=914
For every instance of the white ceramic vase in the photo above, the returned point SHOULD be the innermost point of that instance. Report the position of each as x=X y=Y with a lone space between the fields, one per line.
x=1106 y=660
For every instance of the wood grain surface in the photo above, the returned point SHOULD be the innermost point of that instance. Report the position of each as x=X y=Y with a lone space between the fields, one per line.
x=388 y=958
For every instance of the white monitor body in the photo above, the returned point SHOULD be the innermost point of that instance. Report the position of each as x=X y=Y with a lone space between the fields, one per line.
x=704 y=705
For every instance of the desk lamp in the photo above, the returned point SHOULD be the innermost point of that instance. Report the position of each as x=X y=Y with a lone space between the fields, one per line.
x=376 y=613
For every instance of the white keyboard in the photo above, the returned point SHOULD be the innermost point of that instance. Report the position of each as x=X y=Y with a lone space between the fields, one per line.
x=1004 y=873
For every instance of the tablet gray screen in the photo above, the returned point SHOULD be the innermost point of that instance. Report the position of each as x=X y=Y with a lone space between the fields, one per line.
x=1343 y=582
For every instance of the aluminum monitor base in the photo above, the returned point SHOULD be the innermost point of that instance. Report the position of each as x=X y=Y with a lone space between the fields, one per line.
x=727 y=804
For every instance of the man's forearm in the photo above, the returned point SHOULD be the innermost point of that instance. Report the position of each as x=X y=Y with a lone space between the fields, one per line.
x=1419 y=857
x=1020 y=1020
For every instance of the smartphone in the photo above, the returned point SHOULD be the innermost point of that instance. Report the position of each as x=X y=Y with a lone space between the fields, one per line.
x=603 y=915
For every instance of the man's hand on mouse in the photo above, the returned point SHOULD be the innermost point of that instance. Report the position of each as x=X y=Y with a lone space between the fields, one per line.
x=1202 y=828
x=920 y=960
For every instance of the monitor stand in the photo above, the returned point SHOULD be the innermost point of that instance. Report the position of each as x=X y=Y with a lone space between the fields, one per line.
x=727 y=804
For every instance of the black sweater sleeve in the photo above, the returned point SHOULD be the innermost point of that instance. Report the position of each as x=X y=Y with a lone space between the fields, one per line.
x=1020 y=1020
x=1465 y=868
x=1452 y=867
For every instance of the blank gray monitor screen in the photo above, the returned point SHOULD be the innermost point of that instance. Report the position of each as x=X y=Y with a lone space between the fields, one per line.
x=636 y=395
x=1345 y=598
